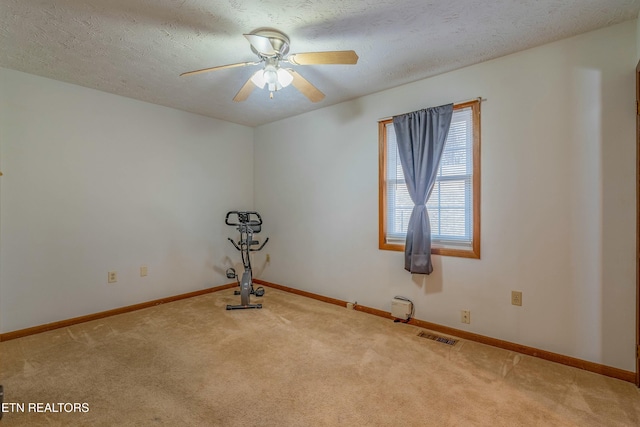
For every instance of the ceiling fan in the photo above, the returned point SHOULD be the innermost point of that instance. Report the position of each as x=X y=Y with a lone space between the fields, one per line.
x=272 y=47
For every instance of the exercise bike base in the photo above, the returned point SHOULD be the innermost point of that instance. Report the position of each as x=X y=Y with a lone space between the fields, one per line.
x=258 y=293
x=241 y=307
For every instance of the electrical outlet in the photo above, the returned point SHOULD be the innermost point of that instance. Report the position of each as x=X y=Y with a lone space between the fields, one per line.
x=112 y=277
x=143 y=271
x=516 y=298
x=465 y=316
x=268 y=258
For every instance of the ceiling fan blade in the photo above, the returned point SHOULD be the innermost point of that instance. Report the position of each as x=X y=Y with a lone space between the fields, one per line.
x=307 y=89
x=220 y=67
x=244 y=91
x=261 y=44
x=333 y=57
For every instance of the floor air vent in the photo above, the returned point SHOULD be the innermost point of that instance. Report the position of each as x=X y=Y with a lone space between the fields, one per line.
x=444 y=340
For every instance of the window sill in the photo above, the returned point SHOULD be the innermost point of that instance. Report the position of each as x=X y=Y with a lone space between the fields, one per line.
x=471 y=252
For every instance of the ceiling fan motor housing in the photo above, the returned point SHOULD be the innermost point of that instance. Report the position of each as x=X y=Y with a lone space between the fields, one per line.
x=279 y=41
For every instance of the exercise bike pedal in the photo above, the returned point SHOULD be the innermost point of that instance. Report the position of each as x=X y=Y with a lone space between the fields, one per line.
x=231 y=273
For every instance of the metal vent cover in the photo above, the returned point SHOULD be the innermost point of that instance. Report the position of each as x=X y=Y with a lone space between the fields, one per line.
x=438 y=338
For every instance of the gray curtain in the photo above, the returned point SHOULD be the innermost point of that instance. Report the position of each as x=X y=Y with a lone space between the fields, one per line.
x=421 y=136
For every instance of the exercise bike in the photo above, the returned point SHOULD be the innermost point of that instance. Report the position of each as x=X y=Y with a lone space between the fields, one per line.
x=247 y=223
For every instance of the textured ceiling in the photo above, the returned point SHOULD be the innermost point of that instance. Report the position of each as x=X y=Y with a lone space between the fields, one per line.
x=138 y=48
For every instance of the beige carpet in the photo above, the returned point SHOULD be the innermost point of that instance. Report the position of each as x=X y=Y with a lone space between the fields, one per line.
x=296 y=362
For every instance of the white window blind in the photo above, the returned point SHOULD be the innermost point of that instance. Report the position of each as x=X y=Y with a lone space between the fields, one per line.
x=450 y=205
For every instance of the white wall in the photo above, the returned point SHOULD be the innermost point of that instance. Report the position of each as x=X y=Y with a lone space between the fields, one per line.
x=638 y=38
x=558 y=200
x=94 y=183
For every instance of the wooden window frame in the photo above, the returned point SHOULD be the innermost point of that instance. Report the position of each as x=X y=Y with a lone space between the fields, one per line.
x=474 y=250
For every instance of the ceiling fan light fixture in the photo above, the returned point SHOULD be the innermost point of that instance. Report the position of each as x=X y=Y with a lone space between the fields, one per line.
x=270 y=75
x=258 y=79
x=274 y=86
x=284 y=77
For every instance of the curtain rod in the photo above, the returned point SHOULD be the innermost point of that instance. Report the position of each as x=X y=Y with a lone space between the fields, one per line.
x=457 y=102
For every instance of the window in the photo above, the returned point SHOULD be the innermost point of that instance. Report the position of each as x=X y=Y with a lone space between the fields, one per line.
x=454 y=204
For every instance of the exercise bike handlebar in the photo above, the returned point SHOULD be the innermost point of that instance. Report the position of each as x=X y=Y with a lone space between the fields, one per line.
x=234 y=243
x=251 y=250
x=261 y=246
x=244 y=218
